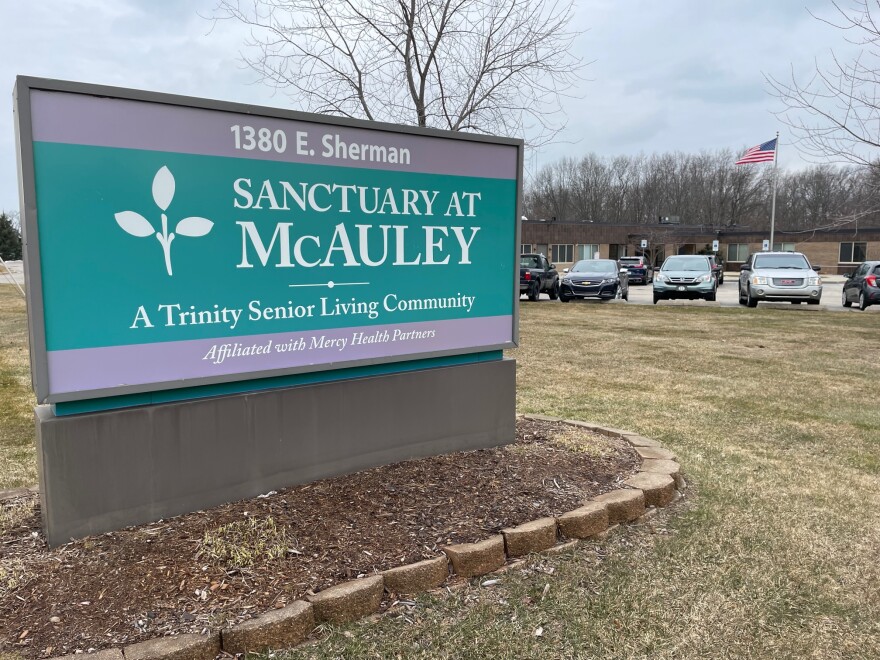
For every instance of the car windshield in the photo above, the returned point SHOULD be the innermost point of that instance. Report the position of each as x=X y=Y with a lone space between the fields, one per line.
x=530 y=261
x=595 y=266
x=687 y=263
x=797 y=261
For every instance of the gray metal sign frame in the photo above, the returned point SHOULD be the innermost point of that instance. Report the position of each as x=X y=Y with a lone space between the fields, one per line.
x=24 y=85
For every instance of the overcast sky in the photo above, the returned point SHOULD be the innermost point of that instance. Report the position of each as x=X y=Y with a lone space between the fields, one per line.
x=682 y=75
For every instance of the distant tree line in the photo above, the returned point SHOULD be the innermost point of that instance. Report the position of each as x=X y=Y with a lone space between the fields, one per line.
x=701 y=189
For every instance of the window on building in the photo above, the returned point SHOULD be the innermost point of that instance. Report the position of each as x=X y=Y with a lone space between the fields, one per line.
x=659 y=255
x=783 y=247
x=587 y=251
x=851 y=253
x=738 y=252
x=526 y=248
x=562 y=253
x=616 y=251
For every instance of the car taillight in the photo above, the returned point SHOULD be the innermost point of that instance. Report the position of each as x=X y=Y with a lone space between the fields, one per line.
x=528 y=276
x=871 y=279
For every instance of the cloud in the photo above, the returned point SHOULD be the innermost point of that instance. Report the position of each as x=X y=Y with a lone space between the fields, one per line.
x=666 y=76
x=159 y=45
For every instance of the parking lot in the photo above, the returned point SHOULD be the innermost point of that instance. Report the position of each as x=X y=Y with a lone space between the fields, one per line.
x=642 y=294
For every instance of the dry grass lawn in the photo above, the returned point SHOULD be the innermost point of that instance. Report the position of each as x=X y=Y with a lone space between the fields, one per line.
x=773 y=413
x=776 y=551
x=17 y=464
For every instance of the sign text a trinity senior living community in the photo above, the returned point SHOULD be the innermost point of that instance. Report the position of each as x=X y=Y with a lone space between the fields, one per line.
x=174 y=241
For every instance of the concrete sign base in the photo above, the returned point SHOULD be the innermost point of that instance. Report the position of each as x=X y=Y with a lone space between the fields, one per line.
x=103 y=471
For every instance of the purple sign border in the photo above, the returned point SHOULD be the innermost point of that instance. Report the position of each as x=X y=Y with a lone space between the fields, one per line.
x=74 y=370
x=123 y=123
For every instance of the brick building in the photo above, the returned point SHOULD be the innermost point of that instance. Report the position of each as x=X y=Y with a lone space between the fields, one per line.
x=835 y=250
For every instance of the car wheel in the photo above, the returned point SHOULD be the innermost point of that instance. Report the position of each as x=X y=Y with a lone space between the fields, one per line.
x=564 y=298
x=554 y=291
x=535 y=292
x=812 y=302
x=711 y=297
x=843 y=299
x=796 y=302
x=656 y=297
x=750 y=300
x=863 y=302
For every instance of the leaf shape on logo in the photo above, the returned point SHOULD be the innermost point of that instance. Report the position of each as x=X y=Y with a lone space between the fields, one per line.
x=194 y=226
x=163 y=188
x=135 y=224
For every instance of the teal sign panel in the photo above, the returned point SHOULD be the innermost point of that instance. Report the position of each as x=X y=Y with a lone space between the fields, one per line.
x=176 y=243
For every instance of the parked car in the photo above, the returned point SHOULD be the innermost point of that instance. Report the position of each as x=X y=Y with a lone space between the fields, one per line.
x=862 y=286
x=639 y=269
x=685 y=276
x=536 y=274
x=595 y=278
x=779 y=277
x=717 y=264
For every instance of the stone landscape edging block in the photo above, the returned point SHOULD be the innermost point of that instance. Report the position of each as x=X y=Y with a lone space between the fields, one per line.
x=355 y=599
x=661 y=466
x=349 y=601
x=475 y=559
x=640 y=441
x=589 y=520
x=180 y=647
x=658 y=488
x=603 y=430
x=624 y=505
x=655 y=452
x=417 y=577
x=277 y=629
x=535 y=536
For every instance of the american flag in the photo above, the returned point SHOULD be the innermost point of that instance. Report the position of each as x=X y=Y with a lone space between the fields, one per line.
x=759 y=154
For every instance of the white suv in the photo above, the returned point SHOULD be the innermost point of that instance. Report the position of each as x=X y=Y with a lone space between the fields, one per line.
x=779 y=277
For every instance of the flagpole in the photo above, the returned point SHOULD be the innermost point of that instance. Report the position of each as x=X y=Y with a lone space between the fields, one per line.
x=773 y=203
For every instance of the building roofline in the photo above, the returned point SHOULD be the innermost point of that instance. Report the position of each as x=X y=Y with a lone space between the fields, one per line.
x=688 y=230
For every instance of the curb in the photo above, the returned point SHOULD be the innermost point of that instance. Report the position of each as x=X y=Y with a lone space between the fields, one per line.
x=658 y=484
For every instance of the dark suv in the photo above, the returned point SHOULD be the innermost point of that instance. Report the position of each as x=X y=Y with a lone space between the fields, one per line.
x=639 y=269
x=717 y=264
x=862 y=286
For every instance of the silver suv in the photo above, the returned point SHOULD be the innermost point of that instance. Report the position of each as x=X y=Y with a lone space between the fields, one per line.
x=779 y=277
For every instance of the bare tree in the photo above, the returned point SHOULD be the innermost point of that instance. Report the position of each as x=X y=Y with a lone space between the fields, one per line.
x=836 y=113
x=703 y=189
x=488 y=66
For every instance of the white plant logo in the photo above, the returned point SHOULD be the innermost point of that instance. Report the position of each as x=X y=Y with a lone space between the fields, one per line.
x=163 y=192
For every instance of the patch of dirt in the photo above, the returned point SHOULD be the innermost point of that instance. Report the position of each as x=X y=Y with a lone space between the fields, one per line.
x=206 y=570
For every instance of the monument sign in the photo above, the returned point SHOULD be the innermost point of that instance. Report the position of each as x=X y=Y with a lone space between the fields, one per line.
x=178 y=249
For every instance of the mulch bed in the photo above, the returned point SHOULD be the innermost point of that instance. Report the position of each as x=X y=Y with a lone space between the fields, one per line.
x=164 y=578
